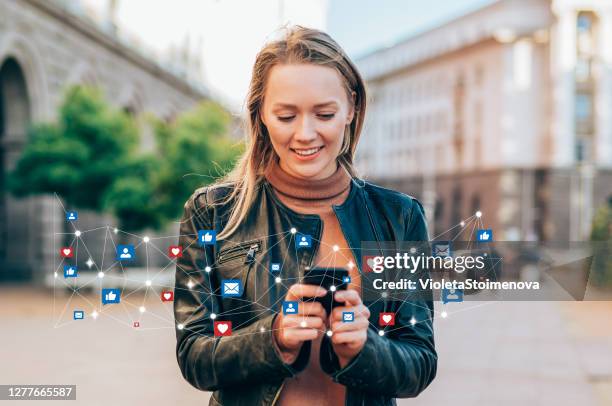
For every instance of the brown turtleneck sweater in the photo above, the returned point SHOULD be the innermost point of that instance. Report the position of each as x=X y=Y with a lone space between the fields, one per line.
x=312 y=386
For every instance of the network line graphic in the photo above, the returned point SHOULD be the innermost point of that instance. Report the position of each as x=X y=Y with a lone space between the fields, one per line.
x=141 y=297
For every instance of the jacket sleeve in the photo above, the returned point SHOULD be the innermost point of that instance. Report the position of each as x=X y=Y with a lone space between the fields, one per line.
x=207 y=362
x=400 y=364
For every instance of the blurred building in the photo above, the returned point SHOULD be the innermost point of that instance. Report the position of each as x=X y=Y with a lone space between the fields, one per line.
x=507 y=109
x=46 y=46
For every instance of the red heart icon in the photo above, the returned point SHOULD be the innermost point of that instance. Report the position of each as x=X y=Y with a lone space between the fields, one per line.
x=66 y=252
x=175 y=251
x=223 y=328
x=167 y=296
x=386 y=319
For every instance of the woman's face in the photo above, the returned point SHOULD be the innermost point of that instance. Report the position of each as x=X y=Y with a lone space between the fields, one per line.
x=305 y=110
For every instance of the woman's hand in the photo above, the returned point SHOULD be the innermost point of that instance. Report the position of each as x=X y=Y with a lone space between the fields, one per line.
x=349 y=337
x=291 y=330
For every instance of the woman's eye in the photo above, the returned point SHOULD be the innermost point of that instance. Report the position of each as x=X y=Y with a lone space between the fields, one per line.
x=327 y=116
x=286 y=118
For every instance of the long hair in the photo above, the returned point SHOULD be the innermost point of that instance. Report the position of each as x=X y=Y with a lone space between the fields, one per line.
x=299 y=45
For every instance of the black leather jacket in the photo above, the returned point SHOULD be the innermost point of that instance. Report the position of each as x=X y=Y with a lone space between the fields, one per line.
x=245 y=368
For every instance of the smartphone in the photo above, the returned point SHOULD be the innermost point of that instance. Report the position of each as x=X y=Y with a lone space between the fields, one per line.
x=326 y=277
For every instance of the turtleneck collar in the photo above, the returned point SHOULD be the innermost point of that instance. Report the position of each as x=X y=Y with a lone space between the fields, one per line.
x=332 y=189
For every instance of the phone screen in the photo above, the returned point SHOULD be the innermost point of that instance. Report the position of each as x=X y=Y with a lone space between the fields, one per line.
x=326 y=278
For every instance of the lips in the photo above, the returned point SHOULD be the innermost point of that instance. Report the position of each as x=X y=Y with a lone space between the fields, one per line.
x=306 y=151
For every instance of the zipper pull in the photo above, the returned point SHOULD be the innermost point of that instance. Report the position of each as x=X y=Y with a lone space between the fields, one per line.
x=250 y=256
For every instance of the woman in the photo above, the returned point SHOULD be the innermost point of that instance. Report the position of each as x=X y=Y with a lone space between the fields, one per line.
x=296 y=179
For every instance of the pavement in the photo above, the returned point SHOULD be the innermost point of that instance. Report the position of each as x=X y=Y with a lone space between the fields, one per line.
x=502 y=353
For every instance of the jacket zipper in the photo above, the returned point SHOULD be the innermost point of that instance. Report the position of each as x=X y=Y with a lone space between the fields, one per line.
x=277 y=394
x=250 y=248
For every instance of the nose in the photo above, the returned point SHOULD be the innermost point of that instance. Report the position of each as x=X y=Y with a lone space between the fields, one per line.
x=305 y=131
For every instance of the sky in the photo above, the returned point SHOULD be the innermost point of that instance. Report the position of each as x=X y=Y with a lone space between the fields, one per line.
x=231 y=32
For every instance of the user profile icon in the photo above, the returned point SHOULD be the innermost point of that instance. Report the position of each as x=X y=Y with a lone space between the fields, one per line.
x=303 y=241
x=452 y=295
x=125 y=253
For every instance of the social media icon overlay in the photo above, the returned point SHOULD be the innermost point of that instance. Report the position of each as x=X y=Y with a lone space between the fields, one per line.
x=207 y=237
x=111 y=296
x=303 y=241
x=231 y=287
x=452 y=295
x=368 y=263
x=484 y=235
x=136 y=324
x=125 y=253
x=346 y=279
x=386 y=319
x=348 y=316
x=72 y=215
x=175 y=251
x=78 y=315
x=66 y=252
x=223 y=328
x=70 y=271
x=167 y=296
x=290 y=307
x=441 y=249
x=275 y=267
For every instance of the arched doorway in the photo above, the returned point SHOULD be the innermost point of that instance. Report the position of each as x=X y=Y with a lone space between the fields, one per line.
x=14 y=121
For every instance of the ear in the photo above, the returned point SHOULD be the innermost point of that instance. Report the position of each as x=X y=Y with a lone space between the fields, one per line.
x=351 y=114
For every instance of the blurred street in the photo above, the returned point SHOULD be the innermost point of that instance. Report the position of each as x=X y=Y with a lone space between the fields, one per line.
x=490 y=353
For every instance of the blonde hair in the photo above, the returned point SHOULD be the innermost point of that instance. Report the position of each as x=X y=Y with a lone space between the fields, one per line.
x=298 y=45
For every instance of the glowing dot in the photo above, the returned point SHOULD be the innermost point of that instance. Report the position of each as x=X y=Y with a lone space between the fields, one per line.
x=148 y=283
x=146 y=238
x=384 y=294
x=141 y=309
x=262 y=329
x=381 y=333
x=100 y=274
x=55 y=274
x=484 y=254
x=444 y=314
x=335 y=248
x=213 y=316
x=302 y=324
x=462 y=224
x=332 y=288
x=350 y=264
x=478 y=214
x=77 y=233
x=179 y=326
x=89 y=263
x=293 y=230
x=207 y=269
x=329 y=333
x=190 y=284
x=278 y=279
x=412 y=250
x=115 y=230
x=413 y=321
x=94 y=314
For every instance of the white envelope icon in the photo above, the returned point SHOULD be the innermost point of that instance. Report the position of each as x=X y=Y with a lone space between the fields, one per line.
x=230 y=288
x=441 y=250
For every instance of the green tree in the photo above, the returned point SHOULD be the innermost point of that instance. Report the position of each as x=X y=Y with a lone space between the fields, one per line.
x=81 y=155
x=194 y=150
x=91 y=158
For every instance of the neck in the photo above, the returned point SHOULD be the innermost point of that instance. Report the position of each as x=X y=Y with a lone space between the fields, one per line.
x=326 y=188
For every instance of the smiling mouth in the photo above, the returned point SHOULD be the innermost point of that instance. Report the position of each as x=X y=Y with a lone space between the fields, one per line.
x=306 y=152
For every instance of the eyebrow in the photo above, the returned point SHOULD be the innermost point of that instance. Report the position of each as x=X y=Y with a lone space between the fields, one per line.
x=281 y=105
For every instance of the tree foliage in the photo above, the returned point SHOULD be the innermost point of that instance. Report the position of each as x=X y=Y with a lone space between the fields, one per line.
x=91 y=157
